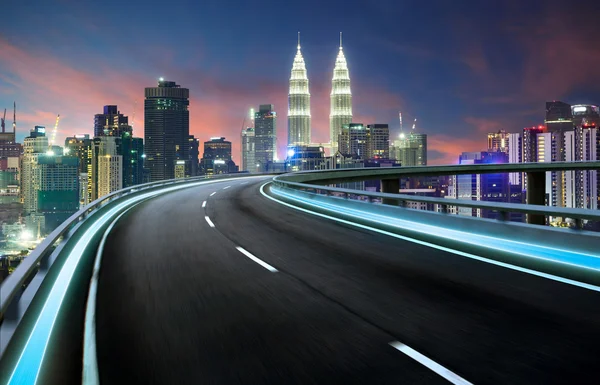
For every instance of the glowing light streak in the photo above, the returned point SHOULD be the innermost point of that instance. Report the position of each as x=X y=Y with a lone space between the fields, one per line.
x=27 y=368
x=432 y=245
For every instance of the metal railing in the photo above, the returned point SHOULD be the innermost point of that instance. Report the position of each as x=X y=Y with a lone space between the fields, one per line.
x=15 y=283
x=309 y=181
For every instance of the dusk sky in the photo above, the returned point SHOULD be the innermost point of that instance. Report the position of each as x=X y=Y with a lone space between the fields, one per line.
x=463 y=68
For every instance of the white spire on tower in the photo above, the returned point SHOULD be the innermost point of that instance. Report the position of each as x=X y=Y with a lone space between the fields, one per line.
x=341 y=99
x=298 y=103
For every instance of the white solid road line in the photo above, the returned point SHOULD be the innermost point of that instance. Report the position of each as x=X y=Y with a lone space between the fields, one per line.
x=209 y=222
x=204 y=204
x=213 y=193
x=439 y=369
x=252 y=257
x=226 y=187
x=243 y=182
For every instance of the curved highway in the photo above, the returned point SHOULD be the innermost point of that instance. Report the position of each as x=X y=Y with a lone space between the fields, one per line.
x=217 y=284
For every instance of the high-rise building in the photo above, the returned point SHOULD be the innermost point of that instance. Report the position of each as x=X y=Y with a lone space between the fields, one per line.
x=217 y=157
x=586 y=119
x=559 y=116
x=166 y=128
x=353 y=141
x=515 y=155
x=359 y=142
x=498 y=141
x=341 y=99
x=194 y=156
x=132 y=151
x=248 y=159
x=298 y=103
x=57 y=188
x=107 y=167
x=111 y=123
x=265 y=136
x=10 y=174
x=80 y=146
x=379 y=141
x=34 y=146
x=411 y=149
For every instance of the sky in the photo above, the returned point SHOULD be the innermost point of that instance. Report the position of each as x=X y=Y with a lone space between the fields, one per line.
x=462 y=68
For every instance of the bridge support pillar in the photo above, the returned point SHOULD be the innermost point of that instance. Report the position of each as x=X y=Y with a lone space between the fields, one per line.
x=391 y=186
x=536 y=195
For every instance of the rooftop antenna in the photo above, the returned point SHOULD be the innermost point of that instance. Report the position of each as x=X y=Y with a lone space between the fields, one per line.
x=340 y=40
x=15 y=117
x=298 y=39
x=3 y=121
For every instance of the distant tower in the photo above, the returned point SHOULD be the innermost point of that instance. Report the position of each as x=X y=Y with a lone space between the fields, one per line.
x=341 y=99
x=298 y=103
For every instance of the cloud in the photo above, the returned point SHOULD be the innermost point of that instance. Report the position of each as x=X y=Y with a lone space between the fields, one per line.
x=445 y=149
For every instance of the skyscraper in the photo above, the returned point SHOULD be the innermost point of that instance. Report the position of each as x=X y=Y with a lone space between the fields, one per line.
x=111 y=122
x=57 y=189
x=132 y=151
x=265 y=136
x=515 y=155
x=586 y=119
x=107 y=167
x=353 y=141
x=166 y=128
x=194 y=156
x=248 y=159
x=411 y=149
x=341 y=99
x=80 y=146
x=379 y=141
x=298 y=103
x=34 y=146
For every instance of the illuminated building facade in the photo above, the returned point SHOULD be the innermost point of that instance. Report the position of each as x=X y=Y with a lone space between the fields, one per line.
x=265 y=136
x=341 y=99
x=411 y=149
x=379 y=141
x=34 y=146
x=298 y=103
x=498 y=141
x=248 y=159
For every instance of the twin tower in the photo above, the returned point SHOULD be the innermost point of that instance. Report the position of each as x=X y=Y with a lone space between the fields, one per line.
x=299 y=101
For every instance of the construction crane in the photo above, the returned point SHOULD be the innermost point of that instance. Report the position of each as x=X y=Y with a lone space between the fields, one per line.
x=53 y=137
x=3 y=121
x=414 y=125
x=400 y=117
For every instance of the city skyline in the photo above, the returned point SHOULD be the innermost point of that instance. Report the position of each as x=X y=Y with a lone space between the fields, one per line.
x=459 y=87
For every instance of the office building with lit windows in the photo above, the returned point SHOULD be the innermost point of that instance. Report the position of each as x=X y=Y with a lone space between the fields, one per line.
x=265 y=136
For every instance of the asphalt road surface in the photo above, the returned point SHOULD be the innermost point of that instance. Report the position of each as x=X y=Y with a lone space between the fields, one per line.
x=243 y=290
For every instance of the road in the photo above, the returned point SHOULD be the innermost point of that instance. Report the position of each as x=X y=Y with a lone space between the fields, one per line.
x=307 y=301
